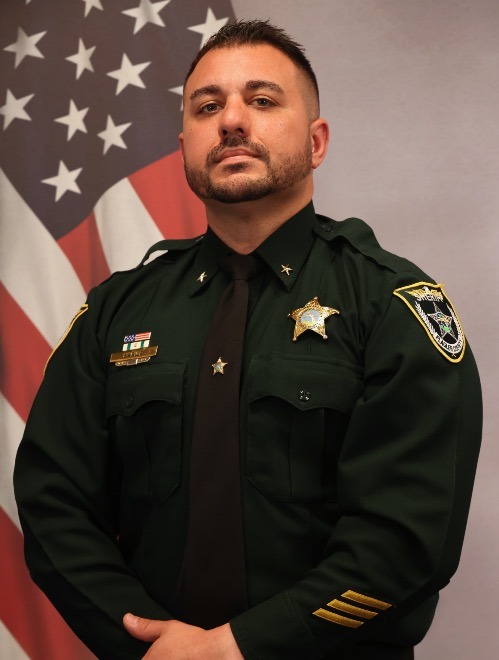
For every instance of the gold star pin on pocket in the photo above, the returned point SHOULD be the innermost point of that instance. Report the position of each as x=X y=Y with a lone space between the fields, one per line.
x=218 y=366
x=311 y=317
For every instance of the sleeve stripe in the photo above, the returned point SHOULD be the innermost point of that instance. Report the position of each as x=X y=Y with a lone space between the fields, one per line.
x=352 y=609
x=366 y=600
x=337 y=618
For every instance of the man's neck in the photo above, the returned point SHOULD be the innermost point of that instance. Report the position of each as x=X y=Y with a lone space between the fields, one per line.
x=245 y=226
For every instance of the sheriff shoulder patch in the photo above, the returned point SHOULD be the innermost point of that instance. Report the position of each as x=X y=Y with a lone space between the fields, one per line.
x=81 y=311
x=435 y=312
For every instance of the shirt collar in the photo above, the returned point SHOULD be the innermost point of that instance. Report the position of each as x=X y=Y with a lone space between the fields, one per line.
x=206 y=265
x=284 y=251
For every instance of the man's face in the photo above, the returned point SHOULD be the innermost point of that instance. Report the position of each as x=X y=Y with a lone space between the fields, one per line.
x=246 y=125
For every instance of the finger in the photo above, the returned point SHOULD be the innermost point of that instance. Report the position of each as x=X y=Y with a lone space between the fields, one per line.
x=148 y=630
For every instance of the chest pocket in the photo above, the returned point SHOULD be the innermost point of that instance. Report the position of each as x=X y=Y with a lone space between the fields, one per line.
x=144 y=411
x=297 y=417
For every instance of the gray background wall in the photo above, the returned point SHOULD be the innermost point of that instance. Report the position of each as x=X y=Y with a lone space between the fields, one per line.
x=411 y=88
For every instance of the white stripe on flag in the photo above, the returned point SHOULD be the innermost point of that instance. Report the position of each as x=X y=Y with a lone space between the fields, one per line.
x=11 y=430
x=34 y=269
x=126 y=229
x=9 y=648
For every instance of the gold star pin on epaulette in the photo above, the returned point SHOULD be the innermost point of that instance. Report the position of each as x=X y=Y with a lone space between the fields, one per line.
x=201 y=277
x=218 y=366
x=311 y=317
x=286 y=269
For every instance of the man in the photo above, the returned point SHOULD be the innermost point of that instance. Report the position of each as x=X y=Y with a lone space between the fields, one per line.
x=358 y=410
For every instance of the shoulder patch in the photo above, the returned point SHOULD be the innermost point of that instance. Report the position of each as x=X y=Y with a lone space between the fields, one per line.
x=81 y=311
x=435 y=312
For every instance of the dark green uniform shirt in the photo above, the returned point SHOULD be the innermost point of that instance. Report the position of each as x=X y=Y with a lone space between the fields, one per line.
x=358 y=451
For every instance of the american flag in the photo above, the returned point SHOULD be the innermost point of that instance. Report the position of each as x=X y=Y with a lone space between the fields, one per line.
x=139 y=336
x=90 y=177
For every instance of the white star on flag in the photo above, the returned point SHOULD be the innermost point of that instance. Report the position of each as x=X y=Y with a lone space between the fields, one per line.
x=112 y=134
x=74 y=120
x=209 y=27
x=82 y=58
x=14 y=108
x=128 y=74
x=147 y=12
x=64 y=180
x=180 y=92
x=25 y=45
x=91 y=4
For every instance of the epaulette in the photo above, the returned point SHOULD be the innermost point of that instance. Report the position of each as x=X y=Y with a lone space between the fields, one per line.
x=361 y=237
x=166 y=250
x=169 y=245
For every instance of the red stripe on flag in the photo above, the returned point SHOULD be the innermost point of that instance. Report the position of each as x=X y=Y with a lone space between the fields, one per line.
x=25 y=611
x=23 y=354
x=83 y=248
x=168 y=199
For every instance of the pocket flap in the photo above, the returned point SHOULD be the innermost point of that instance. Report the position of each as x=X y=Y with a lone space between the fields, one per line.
x=128 y=388
x=305 y=382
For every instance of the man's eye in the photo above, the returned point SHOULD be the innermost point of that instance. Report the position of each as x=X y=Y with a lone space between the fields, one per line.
x=209 y=108
x=263 y=103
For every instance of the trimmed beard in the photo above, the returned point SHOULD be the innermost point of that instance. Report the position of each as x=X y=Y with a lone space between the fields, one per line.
x=279 y=177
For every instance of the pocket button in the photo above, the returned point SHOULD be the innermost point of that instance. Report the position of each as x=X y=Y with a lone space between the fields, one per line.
x=304 y=395
x=129 y=401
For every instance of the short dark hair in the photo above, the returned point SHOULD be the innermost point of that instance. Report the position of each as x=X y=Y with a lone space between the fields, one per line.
x=243 y=33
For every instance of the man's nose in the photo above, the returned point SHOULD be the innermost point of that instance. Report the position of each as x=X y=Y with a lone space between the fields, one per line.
x=234 y=119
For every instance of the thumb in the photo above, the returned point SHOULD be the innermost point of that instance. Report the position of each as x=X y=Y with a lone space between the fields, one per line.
x=148 y=630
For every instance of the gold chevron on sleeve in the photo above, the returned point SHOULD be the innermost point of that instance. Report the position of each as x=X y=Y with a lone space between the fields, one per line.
x=349 y=604
x=352 y=609
x=366 y=600
x=337 y=618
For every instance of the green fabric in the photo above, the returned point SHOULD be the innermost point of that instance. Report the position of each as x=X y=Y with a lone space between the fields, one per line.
x=357 y=453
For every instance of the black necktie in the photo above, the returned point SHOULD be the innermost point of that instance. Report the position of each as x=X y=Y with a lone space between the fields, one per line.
x=214 y=580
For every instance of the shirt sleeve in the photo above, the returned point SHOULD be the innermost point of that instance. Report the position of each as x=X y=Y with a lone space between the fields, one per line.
x=405 y=476
x=67 y=490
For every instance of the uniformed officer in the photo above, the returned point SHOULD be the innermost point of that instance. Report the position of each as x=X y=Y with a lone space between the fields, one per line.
x=359 y=409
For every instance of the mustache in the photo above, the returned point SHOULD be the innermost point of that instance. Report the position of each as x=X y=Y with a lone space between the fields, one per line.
x=234 y=142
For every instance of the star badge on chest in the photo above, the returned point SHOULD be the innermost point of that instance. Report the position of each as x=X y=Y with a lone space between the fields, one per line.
x=311 y=317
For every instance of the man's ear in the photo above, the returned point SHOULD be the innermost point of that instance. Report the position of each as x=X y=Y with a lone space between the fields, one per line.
x=319 y=136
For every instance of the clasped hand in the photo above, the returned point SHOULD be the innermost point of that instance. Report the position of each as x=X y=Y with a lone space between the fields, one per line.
x=181 y=641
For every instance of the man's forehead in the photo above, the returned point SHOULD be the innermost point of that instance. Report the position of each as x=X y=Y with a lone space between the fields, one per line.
x=248 y=62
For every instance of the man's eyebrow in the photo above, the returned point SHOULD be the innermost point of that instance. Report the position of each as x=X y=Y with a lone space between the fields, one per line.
x=264 y=84
x=209 y=90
